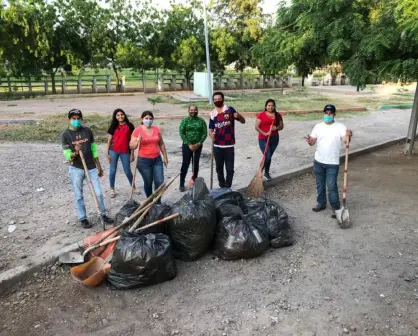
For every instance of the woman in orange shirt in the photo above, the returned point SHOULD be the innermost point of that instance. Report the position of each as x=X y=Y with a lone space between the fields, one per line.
x=151 y=145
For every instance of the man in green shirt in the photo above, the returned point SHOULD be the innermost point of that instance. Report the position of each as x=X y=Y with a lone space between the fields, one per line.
x=78 y=138
x=193 y=132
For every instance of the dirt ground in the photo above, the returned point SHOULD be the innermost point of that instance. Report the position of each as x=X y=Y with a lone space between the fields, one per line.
x=132 y=104
x=361 y=281
x=37 y=195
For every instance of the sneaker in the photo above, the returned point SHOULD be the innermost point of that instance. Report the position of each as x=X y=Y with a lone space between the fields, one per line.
x=182 y=188
x=267 y=176
x=112 y=193
x=333 y=214
x=319 y=208
x=107 y=219
x=86 y=224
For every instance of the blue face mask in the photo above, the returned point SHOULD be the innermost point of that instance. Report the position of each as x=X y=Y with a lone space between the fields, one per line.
x=148 y=122
x=328 y=118
x=76 y=123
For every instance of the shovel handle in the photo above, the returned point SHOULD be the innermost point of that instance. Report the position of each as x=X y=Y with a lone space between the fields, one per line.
x=155 y=200
x=347 y=147
x=158 y=222
x=91 y=248
x=96 y=201
x=211 y=166
x=138 y=230
x=135 y=169
x=141 y=208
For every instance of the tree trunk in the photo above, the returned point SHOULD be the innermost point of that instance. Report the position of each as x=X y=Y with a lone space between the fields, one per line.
x=54 y=90
x=115 y=70
x=188 y=77
x=303 y=80
x=358 y=88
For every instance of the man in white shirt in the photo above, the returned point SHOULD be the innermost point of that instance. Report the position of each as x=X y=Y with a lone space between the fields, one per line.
x=328 y=136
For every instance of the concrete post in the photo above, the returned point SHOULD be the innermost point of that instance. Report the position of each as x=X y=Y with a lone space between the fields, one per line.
x=412 y=129
x=94 y=85
x=290 y=80
x=173 y=82
x=108 y=84
x=46 y=85
x=79 y=86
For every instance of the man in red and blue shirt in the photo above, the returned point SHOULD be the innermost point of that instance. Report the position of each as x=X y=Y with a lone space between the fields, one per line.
x=222 y=133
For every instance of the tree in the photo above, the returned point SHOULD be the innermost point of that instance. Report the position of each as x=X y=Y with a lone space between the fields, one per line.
x=177 y=28
x=189 y=56
x=238 y=29
x=83 y=16
x=115 y=27
x=291 y=40
x=37 y=40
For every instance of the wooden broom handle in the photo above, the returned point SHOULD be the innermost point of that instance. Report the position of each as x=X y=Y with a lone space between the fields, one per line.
x=265 y=149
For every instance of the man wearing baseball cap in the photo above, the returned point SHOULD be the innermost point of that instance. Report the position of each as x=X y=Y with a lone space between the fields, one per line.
x=75 y=139
x=328 y=137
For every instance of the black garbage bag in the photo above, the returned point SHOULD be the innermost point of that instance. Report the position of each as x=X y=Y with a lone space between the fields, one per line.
x=157 y=211
x=141 y=260
x=277 y=221
x=126 y=211
x=193 y=230
x=228 y=202
x=241 y=236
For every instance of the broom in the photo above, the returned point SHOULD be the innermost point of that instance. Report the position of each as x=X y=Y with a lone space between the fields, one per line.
x=256 y=188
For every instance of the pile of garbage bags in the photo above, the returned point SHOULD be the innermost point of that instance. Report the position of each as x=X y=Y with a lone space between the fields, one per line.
x=221 y=220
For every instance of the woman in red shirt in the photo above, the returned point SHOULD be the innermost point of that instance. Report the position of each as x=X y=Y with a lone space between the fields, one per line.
x=151 y=145
x=120 y=131
x=262 y=124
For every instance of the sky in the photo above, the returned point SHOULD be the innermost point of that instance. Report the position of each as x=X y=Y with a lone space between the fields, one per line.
x=269 y=6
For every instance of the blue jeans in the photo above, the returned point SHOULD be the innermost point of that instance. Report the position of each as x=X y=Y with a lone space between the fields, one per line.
x=326 y=174
x=77 y=176
x=274 y=142
x=152 y=171
x=126 y=164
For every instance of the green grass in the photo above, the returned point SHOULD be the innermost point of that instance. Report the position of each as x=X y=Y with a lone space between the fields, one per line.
x=50 y=129
x=254 y=101
x=375 y=102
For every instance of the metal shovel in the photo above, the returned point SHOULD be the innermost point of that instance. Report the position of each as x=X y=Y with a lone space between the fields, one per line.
x=342 y=215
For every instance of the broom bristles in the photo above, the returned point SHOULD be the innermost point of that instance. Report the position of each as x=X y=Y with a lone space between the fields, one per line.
x=255 y=188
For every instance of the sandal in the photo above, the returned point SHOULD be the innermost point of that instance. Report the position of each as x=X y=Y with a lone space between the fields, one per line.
x=112 y=193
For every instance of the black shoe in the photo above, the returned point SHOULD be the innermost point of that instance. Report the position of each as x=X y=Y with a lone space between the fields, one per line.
x=107 y=219
x=86 y=224
x=267 y=176
x=319 y=208
x=182 y=188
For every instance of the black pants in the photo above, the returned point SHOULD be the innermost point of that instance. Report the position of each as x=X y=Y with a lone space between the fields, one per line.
x=187 y=157
x=224 y=156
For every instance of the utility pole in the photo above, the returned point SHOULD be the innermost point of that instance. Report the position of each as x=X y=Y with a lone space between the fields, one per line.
x=207 y=54
x=412 y=130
